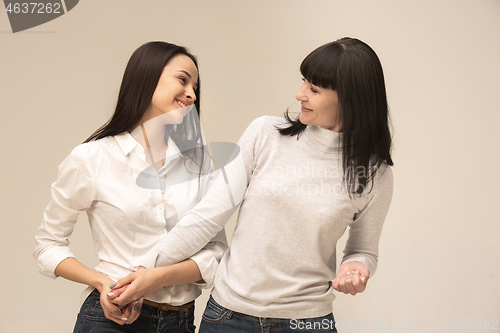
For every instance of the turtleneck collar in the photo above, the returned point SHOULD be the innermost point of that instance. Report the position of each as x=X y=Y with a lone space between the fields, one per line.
x=324 y=139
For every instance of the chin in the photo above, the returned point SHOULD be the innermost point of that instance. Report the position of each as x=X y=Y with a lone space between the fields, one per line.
x=177 y=118
x=303 y=119
x=173 y=117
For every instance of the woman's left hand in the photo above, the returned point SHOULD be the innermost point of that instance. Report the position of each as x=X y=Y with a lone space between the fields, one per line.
x=130 y=312
x=138 y=285
x=352 y=277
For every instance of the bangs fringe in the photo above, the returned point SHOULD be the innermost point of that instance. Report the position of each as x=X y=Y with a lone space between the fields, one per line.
x=321 y=67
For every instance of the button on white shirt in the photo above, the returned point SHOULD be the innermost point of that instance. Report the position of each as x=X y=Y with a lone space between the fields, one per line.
x=127 y=218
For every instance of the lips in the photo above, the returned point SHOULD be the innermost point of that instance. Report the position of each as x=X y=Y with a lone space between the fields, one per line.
x=304 y=109
x=181 y=102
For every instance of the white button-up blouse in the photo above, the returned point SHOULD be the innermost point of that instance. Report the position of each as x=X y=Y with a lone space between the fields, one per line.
x=130 y=207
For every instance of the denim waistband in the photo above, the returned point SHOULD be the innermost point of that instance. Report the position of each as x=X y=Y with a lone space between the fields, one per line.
x=261 y=320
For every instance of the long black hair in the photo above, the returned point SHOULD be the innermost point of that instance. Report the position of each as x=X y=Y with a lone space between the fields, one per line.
x=139 y=82
x=351 y=68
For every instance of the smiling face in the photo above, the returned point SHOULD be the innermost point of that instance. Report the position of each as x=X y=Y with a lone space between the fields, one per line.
x=319 y=106
x=175 y=89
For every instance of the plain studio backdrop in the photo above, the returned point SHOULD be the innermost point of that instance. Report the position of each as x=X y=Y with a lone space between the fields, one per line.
x=438 y=265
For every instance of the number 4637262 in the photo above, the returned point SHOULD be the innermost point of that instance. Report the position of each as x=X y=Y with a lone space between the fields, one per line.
x=477 y=324
x=34 y=8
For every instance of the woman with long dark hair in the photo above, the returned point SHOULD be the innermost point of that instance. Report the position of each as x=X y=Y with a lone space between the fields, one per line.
x=135 y=177
x=301 y=182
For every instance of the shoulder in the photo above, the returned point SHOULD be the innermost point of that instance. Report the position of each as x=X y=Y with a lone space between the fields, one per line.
x=383 y=181
x=384 y=174
x=262 y=135
x=265 y=126
x=378 y=194
x=268 y=121
x=261 y=127
x=93 y=147
x=91 y=152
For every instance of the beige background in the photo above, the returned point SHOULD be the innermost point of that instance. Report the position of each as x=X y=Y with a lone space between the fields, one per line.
x=439 y=249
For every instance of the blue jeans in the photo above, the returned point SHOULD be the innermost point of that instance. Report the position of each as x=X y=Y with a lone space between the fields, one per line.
x=91 y=319
x=218 y=319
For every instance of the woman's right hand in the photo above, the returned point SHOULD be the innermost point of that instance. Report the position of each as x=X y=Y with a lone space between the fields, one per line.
x=138 y=284
x=73 y=270
x=126 y=315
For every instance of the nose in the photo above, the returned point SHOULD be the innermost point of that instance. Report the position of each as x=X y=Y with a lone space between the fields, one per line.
x=301 y=96
x=190 y=94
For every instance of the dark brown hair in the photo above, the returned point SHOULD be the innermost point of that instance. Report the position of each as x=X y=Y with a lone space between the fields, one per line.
x=351 y=68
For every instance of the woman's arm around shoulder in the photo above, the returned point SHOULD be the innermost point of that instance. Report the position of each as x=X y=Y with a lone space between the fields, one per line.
x=202 y=223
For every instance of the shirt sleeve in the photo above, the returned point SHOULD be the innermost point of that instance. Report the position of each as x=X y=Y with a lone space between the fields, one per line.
x=202 y=223
x=365 y=230
x=209 y=257
x=71 y=193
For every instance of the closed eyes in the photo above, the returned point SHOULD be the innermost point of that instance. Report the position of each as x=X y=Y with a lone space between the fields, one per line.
x=312 y=88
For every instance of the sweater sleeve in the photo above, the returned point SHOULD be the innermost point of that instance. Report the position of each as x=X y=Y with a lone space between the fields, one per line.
x=365 y=230
x=208 y=257
x=198 y=226
x=71 y=193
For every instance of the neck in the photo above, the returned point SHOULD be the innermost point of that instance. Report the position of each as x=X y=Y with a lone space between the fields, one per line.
x=324 y=139
x=151 y=136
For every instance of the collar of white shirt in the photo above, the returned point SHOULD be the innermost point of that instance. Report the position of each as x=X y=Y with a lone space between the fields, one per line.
x=127 y=143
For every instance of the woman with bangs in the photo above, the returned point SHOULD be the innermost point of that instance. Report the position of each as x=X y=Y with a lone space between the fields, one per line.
x=301 y=183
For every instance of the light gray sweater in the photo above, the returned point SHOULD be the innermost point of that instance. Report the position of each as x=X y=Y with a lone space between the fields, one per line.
x=294 y=208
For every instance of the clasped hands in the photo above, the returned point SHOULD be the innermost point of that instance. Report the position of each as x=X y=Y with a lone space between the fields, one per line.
x=123 y=300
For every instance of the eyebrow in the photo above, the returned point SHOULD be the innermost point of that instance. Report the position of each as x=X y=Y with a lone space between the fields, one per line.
x=189 y=75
